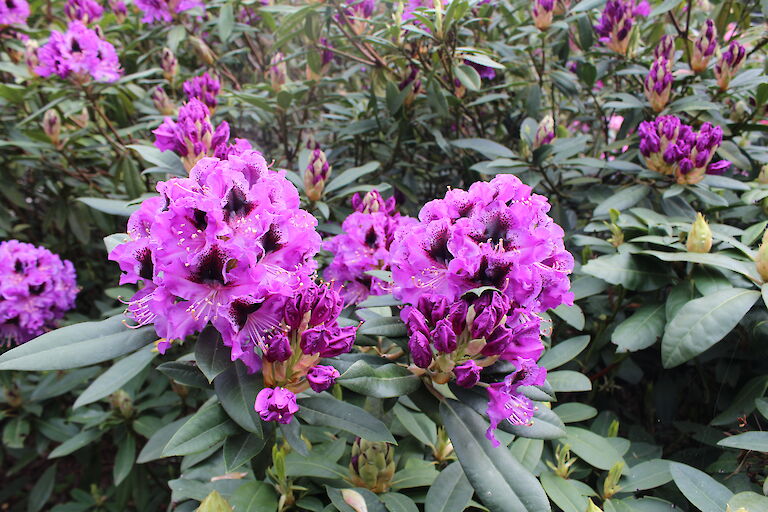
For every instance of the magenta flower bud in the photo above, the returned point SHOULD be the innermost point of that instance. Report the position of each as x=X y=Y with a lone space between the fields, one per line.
x=467 y=373
x=52 y=126
x=277 y=73
x=321 y=377
x=414 y=320
x=339 y=341
x=299 y=305
x=85 y=11
x=545 y=133
x=316 y=174
x=443 y=337
x=719 y=167
x=162 y=102
x=729 y=63
x=418 y=344
x=169 y=64
x=665 y=48
x=372 y=202
x=15 y=12
x=457 y=314
x=498 y=341
x=616 y=23
x=313 y=341
x=543 y=11
x=205 y=88
x=327 y=306
x=119 y=9
x=278 y=348
x=326 y=53
x=704 y=47
x=490 y=310
x=276 y=404
x=658 y=84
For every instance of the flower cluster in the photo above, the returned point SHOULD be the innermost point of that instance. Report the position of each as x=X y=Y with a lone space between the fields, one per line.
x=79 y=54
x=192 y=136
x=85 y=11
x=617 y=21
x=364 y=245
x=673 y=148
x=729 y=62
x=163 y=10
x=704 y=47
x=14 y=12
x=543 y=12
x=658 y=83
x=307 y=330
x=316 y=174
x=204 y=88
x=222 y=246
x=36 y=288
x=496 y=235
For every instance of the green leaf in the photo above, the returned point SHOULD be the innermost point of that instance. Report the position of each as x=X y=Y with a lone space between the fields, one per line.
x=117 y=376
x=326 y=410
x=204 y=429
x=153 y=450
x=237 y=390
x=749 y=501
x=703 y=322
x=73 y=444
x=563 y=493
x=630 y=271
x=747 y=269
x=184 y=372
x=314 y=466
x=744 y=403
x=622 y=200
x=254 y=497
x=487 y=148
x=387 y=381
x=165 y=159
x=417 y=473
x=350 y=175
x=528 y=452
x=573 y=315
x=15 y=432
x=501 y=482
x=77 y=345
x=755 y=441
x=450 y=492
x=125 y=458
x=42 y=490
x=240 y=449
x=110 y=206
x=417 y=424
x=396 y=502
x=390 y=327
x=214 y=502
x=226 y=21
x=468 y=76
x=211 y=355
x=594 y=449
x=563 y=352
x=568 y=381
x=573 y=412
x=703 y=491
x=646 y=475
x=641 y=330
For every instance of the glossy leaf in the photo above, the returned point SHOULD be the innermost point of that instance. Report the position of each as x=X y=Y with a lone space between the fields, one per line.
x=450 y=492
x=117 y=376
x=204 y=429
x=327 y=411
x=703 y=491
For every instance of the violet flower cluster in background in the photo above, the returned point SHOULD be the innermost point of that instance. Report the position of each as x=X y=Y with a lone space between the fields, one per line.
x=14 y=12
x=497 y=235
x=205 y=88
x=364 y=245
x=673 y=148
x=164 y=10
x=36 y=288
x=85 y=11
x=79 y=54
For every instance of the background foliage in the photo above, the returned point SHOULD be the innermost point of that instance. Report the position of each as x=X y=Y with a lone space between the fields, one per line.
x=656 y=392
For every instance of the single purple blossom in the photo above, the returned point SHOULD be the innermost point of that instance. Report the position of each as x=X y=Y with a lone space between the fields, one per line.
x=321 y=377
x=14 y=12
x=276 y=404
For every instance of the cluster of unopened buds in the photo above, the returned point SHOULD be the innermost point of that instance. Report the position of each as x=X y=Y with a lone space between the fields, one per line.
x=704 y=47
x=316 y=174
x=364 y=245
x=729 y=63
x=543 y=12
x=673 y=148
x=658 y=83
x=616 y=22
x=475 y=272
x=165 y=10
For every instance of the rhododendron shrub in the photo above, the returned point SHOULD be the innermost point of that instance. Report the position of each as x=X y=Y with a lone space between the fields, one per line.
x=388 y=256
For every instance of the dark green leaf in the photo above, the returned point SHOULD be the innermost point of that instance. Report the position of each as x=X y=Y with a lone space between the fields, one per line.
x=326 y=410
x=703 y=491
x=450 y=492
x=117 y=376
x=204 y=429
x=211 y=355
x=237 y=390
x=240 y=449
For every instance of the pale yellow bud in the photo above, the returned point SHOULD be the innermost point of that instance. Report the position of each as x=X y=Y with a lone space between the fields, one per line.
x=700 y=236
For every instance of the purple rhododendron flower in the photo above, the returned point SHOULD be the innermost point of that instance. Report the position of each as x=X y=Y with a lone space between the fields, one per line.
x=14 y=12
x=163 y=10
x=85 y=11
x=78 y=53
x=276 y=404
x=204 y=88
x=322 y=377
x=673 y=148
x=36 y=288
x=364 y=245
x=228 y=245
x=495 y=234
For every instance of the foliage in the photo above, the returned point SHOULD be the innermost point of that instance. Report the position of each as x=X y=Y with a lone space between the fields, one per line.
x=656 y=388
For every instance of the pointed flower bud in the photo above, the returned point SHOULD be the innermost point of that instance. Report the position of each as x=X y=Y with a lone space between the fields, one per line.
x=658 y=84
x=467 y=373
x=543 y=11
x=616 y=23
x=52 y=126
x=372 y=202
x=277 y=74
x=202 y=50
x=162 y=102
x=443 y=337
x=30 y=56
x=119 y=9
x=276 y=404
x=278 y=348
x=316 y=174
x=704 y=47
x=418 y=344
x=665 y=48
x=728 y=64
x=700 y=236
x=169 y=64
x=545 y=133
x=372 y=464
x=322 y=377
